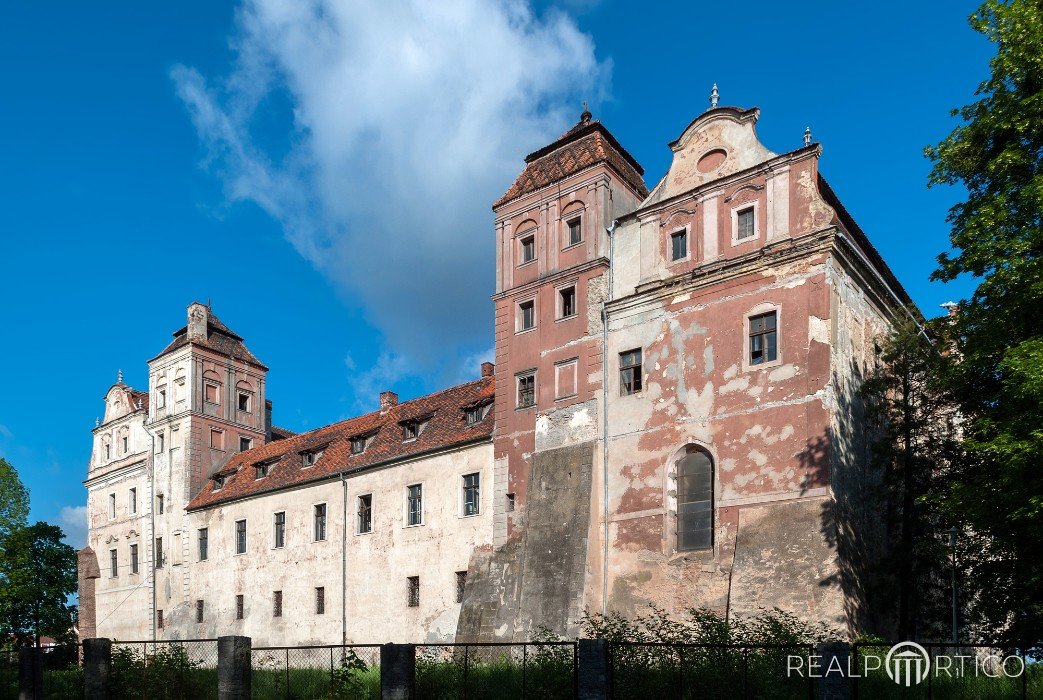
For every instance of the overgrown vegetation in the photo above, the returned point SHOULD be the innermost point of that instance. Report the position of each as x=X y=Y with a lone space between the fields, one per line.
x=163 y=671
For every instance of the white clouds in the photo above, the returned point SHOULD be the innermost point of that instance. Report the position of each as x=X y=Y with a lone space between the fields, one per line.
x=409 y=120
x=73 y=521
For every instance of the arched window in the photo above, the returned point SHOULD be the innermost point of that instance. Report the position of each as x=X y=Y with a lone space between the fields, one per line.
x=694 y=500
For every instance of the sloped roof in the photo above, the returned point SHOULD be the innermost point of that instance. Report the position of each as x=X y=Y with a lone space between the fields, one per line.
x=446 y=426
x=585 y=144
x=219 y=338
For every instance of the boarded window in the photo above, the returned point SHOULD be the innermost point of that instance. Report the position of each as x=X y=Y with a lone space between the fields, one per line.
x=132 y=501
x=694 y=501
x=199 y=611
x=320 y=601
x=211 y=393
x=413 y=583
x=239 y=607
x=277 y=604
x=763 y=338
x=471 y=494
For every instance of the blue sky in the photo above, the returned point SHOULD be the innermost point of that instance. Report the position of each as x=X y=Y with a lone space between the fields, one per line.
x=322 y=172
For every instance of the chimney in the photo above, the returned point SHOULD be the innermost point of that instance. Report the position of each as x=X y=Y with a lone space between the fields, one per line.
x=487 y=369
x=387 y=400
x=197 y=321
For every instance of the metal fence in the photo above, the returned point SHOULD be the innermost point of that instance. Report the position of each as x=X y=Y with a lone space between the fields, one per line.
x=496 y=671
x=955 y=671
x=349 y=672
x=654 y=670
x=182 y=669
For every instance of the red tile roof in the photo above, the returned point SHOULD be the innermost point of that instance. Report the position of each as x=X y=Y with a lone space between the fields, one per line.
x=585 y=144
x=446 y=427
x=219 y=338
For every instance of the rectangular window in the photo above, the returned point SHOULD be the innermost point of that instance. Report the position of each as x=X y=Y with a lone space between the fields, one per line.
x=108 y=451
x=211 y=393
x=320 y=522
x=159 y=619
x=240 y=537
x=160 y=504
x=114 y=568
x=199 y=611
x=132 y=500
x=415 y=505
x=366 y=513
x=575 y=230
x=744 y=222
x=126 y=445
x=158 y=557
x=245 y=443
x=358 y=445
x=133 y=559
x=763 y=340
x=261 y=470
x=204 y=543
x=310 y=457
x=320 y=601
x=568 y=301
x=413 y=583
x=161 y=398
x=528 y=249
x=160 y=441
x=239 y=607
x=526 y=389
x=509 y=505
x=461 y=579
x=277 y=604
x=629 y=372
x=475 y=414
x=280 y=530
x=217 y=439
x=244 y=402
x=471 y=492
x=526 y=315
x=679 y=245
x=410 y=429
x=112 y=505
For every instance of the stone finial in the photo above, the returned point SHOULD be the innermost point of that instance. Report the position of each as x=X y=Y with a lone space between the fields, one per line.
x=715 y=96
x=138 y=404
x=97 y=421
x=198 y=315
x=586 y=116
x=807 y=137
x=119 y=376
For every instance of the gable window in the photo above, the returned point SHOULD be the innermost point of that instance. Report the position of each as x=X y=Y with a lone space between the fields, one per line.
x=744 y=224
x=277 y=604
x=310 y=457
x=158 y=559
x=280 y=530
x=239 y=607
x=204 y=543
x=527 y=389
x=240 y=537
x=365 y=514
x=245 y=443
x=114 y=569
x=320 y=522
x=763 y=339
x=567 y=302
x=471 y=493
x=526 y=315
x=133 y=559
x=415 y=504
x=320 y=601
x=413 y=584
x=630 y=372
x=112 y=506
x=694 y=501
x=461 y=580
x=244 y=401
x=132 y=500
x=217 y=439
x=199 y=611
x=528 y=249
x=575 y=230
x=679 y=245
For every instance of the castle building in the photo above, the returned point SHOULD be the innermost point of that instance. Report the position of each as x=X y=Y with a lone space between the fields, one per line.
x=672 y=420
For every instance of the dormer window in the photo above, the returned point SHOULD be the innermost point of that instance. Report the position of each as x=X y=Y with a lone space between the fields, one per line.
x=410 y=429
x=358 y=445
x=219 y=481
x=310 y=457
x=475 y=414
x=261 y=469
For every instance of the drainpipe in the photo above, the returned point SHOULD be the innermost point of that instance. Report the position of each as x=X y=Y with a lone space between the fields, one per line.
x=152 y=518
x=610 y=230
x=344 y=564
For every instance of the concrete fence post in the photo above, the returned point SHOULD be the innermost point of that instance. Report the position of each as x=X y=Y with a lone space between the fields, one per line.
x=834 y=684
x=97 y=668
x=397 y=671
x=30 y=674
x=593 y=670
x=233 y=668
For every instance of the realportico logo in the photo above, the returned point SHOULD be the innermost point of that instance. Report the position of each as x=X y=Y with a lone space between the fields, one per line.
x=907 y=663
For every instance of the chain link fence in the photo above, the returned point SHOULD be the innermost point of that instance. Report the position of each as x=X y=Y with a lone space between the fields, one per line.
x=496 y=671
x=166 y=669
x=299 y=673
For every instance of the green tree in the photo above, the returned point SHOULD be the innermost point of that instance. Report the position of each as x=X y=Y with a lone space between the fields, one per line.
x=996 y=153
x=14 y=499
x=37 y=576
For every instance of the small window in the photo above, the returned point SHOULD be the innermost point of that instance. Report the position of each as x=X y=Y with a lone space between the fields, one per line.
x=133 y=559
x=126 y=444
x=204 y=543
x=526 y=389
x=528 y=249
x=277 y=604
x=471 y=494
x=310 y=457
x=679 y=245
x=280 y=530
x=112 y=505
x=475 y=414
x=244 y=401
x=219 y=482
x=415 y=505
x=240 y=537
x=358 y=445
x=211 y=394
x=159 y=619
x=744 y=224
x=320 y=522
x=114 y=569
x=108 y=451
x=413 y=583
x=160 y=441
x=160 y=504
x=410 y=429
x=132 y=500
x=199 y=611
x=630 y=372
x=763 y=339
x=239 y=607
x=365 y=513
x=158 y=560
x=161 y=398
x=245 y=443
x=526 y=315
x=461 y=580
x=261 y=470
x=509 y=505
x=575 y=230
x=217 y=439
x=567 y=306
x=320 y=600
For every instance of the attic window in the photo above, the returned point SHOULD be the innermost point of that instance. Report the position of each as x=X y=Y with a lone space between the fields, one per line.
x=358 y=445
x=476 y=414
x=261 y=469
x=219 y=481
x=310 y=457
x=412 y=428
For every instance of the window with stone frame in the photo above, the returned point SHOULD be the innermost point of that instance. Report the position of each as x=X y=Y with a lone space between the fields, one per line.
x=679 y=245
x=245 y=443
x=415 y=504
x=240 y=537
x=158 y=555
x=204 y=543
x=199 y=611
x=320 y=522
x=211 y=393
x=575 y=226
x=567 y=302
x=694 y=500
x=764 y=346
x=471 y=494
x=527 y=389
x=134 y=559
x=526 y=315
x=528 y=248
x=243 y=398
x=279 y=533
x=114 y=569
x=365 y=513
x=744 y=220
